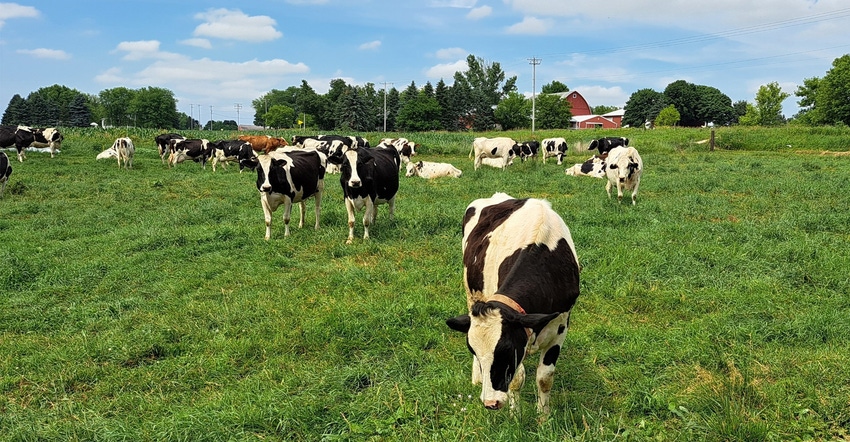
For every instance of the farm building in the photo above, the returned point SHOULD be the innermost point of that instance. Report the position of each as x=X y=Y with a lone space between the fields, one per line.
x=583 y=117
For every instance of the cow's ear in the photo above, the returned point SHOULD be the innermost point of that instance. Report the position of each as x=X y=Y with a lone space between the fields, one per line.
x=459 y=323
x=537 y=321
x=612 y=166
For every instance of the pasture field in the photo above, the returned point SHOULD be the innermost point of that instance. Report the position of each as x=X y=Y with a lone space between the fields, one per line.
x=145 y=305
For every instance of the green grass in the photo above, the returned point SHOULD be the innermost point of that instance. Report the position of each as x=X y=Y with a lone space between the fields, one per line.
x=145 y=305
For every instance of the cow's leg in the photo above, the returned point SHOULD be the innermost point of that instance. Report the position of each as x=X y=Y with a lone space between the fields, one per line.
x=21 y=155
x=318 y=198
x=267 y=214
x=391 y=203
x=287 y=215
x=477 y=162
x=608 y=188
x=634 y=192
x=368 y=217
x=515 y=386
x=476 y=371
x=302 y=207
x=619 y=192
x=349 y=207
x=560 y=158
x=214 y=162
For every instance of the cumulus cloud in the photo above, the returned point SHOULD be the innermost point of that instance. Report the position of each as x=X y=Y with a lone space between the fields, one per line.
x=453 y=3
x=479 y=13
x=14 y=10
x=197 y=42
x=370 y=46
x=446 y=70
x=143 y=49
x=451 y=53
x=230 y=24
x=53 y=54
x=531 y=25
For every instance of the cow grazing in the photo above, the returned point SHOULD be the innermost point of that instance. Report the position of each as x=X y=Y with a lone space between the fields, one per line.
x=428 y=169
x=123 y=150
x=554 y=147
x=499 y=147
x=369 y=177
x=241 y=152
x=593 y=167
x=32 y=137
x=604 y=145
x=197 y=150
x=263 y=143
x=624 y=169
x=287 y=177
x=528 y=149
x=521 y=274
x=163 y=144
x=5 y=172
x=405 y=147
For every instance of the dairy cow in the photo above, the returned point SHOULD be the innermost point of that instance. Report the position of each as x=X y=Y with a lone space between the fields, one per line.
x=369 y=177
x=428 y=169
x=499 y=147
x=197 y=150
x=554 y=147
x=123 y=150
x=405 y=147
x=287 y=177
x=604 y=145
x=521 y=274
x=528 y=149
x=593 y=167
x=264 y=143
x=163 y=144
x=624 y=170
x=238 y=151
x=26 y=136
x=5 y=172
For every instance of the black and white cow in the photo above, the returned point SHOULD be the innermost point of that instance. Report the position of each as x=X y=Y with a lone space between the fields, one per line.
x=521 y=274
x=5 y=172
x=287 y=177
x=405 y=147
x=430 y=169
x=123 y=150
x=241 y=152
x=163 y=144
x=7 y=136
x=499 y=147
x=368 y=177
x=195 y=149
x=604 y=145
x=26 y=136
x=528 y=149
x=554 y=147
x=593 y=167
x=624 y=170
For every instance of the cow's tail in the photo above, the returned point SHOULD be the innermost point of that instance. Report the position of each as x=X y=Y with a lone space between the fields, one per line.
x=471 y=150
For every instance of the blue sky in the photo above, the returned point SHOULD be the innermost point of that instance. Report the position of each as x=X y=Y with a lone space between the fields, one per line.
x=214 y=55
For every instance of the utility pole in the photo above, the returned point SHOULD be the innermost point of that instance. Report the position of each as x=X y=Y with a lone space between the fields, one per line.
x=191 y=111
x=210 y=117
x=238 y=107
x=534 y=61
x=385 y=105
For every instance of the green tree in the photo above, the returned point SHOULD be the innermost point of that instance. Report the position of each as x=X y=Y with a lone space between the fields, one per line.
x=115 y=103
x=750 y=117
x=513 y=112
x=833 y=93
x=447 y=116
x=602 y=109
x=553 y=112
x=420 y=113
x=740 y=109
x=42 y=111
x=713 y=106
x=668 y=116
x=554 y=87
x=809 y=114
x=487 y=86
x=153 y=107
x=16 y=112
x=279 y=116
x=643 y=105
x=684 y=96
x=769 y=100
x=79 y=113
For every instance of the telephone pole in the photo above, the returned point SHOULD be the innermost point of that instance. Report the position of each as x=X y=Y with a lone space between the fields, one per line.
x=238 y=107
x=534 y=61
x=385 y=105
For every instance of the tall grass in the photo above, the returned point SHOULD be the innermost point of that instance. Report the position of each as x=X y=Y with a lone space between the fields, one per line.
x=145 y=305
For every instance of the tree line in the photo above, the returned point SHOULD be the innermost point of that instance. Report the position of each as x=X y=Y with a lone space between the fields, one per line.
x=480 y=98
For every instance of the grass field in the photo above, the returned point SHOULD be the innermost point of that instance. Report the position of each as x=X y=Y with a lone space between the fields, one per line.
x=144 y=304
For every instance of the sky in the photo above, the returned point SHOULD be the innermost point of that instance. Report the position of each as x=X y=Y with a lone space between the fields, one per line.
x=219 y=56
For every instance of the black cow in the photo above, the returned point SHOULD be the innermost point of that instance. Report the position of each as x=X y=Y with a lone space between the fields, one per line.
x=197 y=150
x=521 y=274
x=604 y=145
x=289 y=177
x=7 y=136
x=528 y=149
x=224 y=151
x=163 y=143
x=5 y=171
x=368 y=177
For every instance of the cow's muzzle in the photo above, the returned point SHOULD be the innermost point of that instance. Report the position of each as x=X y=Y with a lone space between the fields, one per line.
x=493 y=405
x=265 y=189
x=354 y=184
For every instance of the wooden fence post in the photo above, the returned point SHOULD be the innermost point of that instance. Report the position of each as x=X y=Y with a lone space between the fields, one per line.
x=711 y=143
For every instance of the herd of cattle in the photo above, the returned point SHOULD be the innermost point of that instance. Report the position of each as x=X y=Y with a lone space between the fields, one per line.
x=520 y=289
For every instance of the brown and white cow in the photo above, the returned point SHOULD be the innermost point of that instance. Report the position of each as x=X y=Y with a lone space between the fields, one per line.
x=264 y=143
x=521 y=274
x=624 y=169
x=290 y=177
x=5 y=172
x=500 y=147
x=123 y=150
x=369 y=177
x=592 y=167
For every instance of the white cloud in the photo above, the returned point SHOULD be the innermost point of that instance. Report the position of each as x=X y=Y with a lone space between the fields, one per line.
x=530 y=25
x=451 y=53
x=198 y=43
x=235 y=25
x=479 y=13
x=306 y=2
x=370 y=46
x=453 y=3
x=110 y=76
x=14 y=10
x=53 y=54
x=446 y=70
x=143 y=49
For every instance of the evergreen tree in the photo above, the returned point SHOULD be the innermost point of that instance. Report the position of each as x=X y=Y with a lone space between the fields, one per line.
x=79 y=113
x=17 y=112
x=447 y=116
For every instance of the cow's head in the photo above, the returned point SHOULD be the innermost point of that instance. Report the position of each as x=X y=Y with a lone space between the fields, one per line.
x=625 y=167
x=413 y=168
x=267 y=163
x=497 y=336
x=354 y=163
